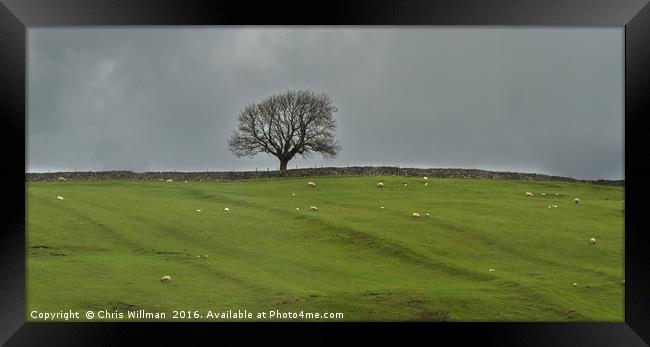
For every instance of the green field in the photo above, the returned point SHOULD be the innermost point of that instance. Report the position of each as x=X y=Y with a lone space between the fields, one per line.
x=106 y=245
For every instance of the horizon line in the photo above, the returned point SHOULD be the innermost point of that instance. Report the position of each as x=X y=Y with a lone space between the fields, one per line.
x=331 y=167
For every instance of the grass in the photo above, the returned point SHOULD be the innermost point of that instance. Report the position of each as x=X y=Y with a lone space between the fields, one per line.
x=107 y=244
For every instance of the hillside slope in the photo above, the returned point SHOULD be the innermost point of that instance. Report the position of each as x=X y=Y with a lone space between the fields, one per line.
x=106 y=245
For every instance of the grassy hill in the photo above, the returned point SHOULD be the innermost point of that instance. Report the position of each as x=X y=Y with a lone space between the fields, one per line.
x=106 y=245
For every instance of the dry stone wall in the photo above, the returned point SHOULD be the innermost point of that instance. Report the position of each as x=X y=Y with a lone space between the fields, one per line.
x=304 y=172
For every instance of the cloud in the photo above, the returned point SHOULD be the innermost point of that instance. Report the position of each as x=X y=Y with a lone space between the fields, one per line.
x=528 y=99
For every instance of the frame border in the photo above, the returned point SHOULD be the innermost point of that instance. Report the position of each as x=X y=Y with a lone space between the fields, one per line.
x=16 y=16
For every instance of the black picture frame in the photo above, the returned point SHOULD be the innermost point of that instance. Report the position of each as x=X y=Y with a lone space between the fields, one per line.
x=18 y=15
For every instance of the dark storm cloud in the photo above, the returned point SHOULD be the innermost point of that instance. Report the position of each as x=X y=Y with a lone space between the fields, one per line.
x=546 y=100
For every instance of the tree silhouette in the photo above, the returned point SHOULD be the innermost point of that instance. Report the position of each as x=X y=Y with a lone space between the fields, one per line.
x=283 y=125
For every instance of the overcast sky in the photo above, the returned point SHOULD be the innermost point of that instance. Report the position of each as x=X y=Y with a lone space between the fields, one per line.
x=547 y=100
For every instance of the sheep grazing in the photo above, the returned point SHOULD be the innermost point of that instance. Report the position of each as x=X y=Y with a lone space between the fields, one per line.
x=166 y=278
x=185 y=181
x=380 y=184
x=575 y=284
x=59 y=197
x=491 y=270
x=61 y=179
x=293 y=194
x=381 y=207
x=555 y=206
x=425 y=178
x=544 y=194
x=576 y=200
x=557 y=195
x=415 y=215
x=405 y=184
x=426 y=184
x=198 y=210
x=205 y=256
x=169 y=180
x=592 y=240
x=313 y=208
x=427 y=214
x=226 y=209
x=297 y=208
x=311 y=184
x=529 y=194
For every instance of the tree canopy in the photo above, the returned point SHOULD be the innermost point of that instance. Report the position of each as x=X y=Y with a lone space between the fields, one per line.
x=284 y=125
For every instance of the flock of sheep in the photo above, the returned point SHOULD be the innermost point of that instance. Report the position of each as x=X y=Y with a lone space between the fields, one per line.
x=415 y=215
x=529 y=194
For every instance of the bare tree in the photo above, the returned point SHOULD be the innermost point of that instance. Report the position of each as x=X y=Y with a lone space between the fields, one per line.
x=283 y=125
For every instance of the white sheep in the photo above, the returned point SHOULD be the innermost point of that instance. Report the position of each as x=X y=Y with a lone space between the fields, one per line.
x=425 y=178
x=297 y=208
x=59 y=197
x=405 y=184
x=491 y=270
x=169 y=180
x=592 y=240
x=576 y=200
x=381 y=207
x=426 y=184
x=529 y=194
x=293 y=194
x=543 y=194
x=380 y=184
x=313 y=208
x=575 y=284
x=226 y=209
x=166 y=278
x=415 y=215
x=185 y=181
x=198 y=210
x=427 y=214
x=557 y=195
x=555 y=206
x=61 y=179
x=311 y=184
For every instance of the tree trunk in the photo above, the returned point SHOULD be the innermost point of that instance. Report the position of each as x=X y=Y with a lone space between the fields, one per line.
x=283 y=165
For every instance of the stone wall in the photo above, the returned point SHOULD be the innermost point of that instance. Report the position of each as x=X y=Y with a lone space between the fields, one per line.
x=305 y=172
